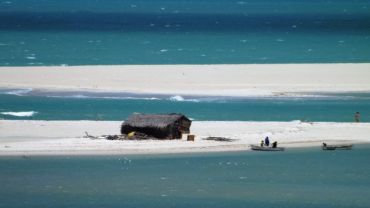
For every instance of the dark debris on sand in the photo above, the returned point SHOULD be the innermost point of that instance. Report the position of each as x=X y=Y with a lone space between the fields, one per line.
x=219 y=139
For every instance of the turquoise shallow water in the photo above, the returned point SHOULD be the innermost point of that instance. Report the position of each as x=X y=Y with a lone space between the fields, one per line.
x=101 y=32
x=118 y=106
x=295 y=178
x=95 y=32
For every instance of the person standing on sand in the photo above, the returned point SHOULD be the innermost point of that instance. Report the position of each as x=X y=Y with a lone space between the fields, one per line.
x=357 y=117
x=267 y=141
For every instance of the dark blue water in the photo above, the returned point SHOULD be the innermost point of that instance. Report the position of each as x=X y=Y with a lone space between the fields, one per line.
x=97 y=32
x=118 y=106
x=295 y=178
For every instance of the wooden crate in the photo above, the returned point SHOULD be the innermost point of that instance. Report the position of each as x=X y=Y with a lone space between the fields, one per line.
x=191 y=137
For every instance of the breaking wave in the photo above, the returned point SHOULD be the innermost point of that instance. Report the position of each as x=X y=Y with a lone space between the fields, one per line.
x=102 y=97
x=175 y=98
x=178 y=98
x=20 y=114
x=19 y=92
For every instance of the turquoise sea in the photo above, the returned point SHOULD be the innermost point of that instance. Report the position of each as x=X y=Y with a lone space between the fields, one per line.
x=99 y=32
x=295 y=178
x=111 y=32
x=46 y=105
x=108 y=32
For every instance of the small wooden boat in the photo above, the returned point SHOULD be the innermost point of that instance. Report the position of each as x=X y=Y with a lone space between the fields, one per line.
x=337 y=147
x=265 y=148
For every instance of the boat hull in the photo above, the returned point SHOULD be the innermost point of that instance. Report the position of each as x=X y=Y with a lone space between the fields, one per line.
x=337 y=147
x=272 y=149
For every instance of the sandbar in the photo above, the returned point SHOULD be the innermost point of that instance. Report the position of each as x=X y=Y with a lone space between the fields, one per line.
x=27 y=137
x=225 y=80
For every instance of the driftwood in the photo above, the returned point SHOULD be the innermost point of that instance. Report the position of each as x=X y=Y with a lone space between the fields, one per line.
x=219 y=139
x=135 y=136
x=87 y=135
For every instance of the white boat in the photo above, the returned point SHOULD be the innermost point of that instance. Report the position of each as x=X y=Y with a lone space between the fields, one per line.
x=266 y=148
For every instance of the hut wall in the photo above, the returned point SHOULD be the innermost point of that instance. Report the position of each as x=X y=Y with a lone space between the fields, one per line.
x=161 y=133
x=158 y=126
x=175 y=132
x=185 y=126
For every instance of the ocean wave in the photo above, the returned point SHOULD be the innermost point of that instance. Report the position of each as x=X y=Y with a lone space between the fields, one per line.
x=103 y=97
x=20 y=114
x=19 y=92
x=178 y=98
x=30 y=57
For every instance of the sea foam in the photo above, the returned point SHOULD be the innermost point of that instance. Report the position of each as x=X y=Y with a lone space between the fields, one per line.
x=18 y=92
x=178 y=98
x=20 y=114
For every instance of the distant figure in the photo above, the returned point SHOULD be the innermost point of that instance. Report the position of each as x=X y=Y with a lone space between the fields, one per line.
x=274 y=144
x=357 y=117
x=267 y=141
x=261 y=143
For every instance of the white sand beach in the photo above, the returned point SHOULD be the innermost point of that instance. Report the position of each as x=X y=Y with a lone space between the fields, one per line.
x=226 y=80
x=66 y=137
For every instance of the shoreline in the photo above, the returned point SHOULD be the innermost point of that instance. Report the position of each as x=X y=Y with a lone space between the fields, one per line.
x=107 y=94
x=30 y=137
x=213 y=80
x=26 y=155
x=43 y=138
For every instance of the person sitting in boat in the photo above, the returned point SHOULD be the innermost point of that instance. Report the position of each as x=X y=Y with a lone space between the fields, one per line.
x=274 y=144
x=267 y=141
x=262 y=143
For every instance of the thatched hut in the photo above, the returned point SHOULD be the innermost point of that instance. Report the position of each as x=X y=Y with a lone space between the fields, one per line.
x=161 y=126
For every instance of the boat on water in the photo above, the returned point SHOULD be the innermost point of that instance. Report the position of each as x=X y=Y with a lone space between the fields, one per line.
x=337 y=147
x=266 y=148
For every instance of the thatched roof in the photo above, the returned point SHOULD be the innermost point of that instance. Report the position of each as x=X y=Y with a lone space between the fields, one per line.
x=153 y=120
